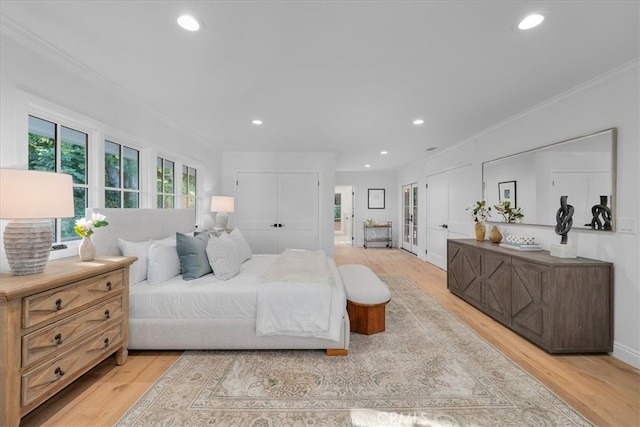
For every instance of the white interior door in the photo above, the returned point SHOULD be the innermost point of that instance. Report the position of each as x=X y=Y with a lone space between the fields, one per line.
x=448 y=195
x=257 y=210
x=298 y=211
x=437 y=217
x=276 y=211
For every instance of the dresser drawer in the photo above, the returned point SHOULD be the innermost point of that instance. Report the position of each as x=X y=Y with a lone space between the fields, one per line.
x=45 y=341
x=49 y=306
x=51 y=376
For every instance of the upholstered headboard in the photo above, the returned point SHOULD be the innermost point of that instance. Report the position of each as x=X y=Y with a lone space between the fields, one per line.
x=138 y=225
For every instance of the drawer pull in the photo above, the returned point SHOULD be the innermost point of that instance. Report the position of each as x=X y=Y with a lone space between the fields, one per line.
x=107 y=314
x=109 y=285
x=58 y=372
x=58 y=339
x=58 y=304
x=106 y=342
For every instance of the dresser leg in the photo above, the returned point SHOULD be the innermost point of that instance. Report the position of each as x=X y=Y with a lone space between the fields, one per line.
x=121 y=356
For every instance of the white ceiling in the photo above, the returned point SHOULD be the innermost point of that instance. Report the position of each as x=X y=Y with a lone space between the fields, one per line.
x=343 y=76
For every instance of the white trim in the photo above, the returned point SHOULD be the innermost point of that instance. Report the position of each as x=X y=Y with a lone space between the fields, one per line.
x=79 y=69
x=626 y=354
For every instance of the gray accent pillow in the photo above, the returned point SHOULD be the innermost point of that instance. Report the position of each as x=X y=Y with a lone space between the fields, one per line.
x=193 y=255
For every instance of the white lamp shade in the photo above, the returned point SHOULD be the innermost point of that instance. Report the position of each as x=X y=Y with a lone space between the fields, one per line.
x=35 y=194
x=222 y=204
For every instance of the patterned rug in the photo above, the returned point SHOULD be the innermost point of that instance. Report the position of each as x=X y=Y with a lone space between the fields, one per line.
x=426 y=369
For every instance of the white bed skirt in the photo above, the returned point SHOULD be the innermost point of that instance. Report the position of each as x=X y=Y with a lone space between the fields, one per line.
x=217 y=334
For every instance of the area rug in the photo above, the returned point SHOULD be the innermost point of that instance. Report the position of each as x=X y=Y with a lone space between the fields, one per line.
x=426 y=369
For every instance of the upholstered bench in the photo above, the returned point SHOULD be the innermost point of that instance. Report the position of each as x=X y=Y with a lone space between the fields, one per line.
x=367 y=297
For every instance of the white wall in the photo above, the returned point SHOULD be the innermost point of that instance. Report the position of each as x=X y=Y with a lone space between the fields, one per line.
x=362 y=182
x=611 y=101
x=36 y=81
x=322 y=163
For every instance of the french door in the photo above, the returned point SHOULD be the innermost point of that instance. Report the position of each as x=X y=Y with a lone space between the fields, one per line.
x=410 y=217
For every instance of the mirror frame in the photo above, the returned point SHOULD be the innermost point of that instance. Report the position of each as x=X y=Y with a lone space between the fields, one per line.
x=614 y=141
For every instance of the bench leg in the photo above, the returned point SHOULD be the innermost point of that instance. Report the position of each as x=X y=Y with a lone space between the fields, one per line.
x=367 y=319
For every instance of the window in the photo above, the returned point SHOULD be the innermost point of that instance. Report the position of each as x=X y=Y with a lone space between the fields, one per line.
x=188 y=187
x=57 y=148
x=164 y=180
x=121 y=176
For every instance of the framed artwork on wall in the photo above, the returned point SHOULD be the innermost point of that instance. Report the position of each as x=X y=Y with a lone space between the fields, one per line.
x=507 y=192
x=376 y=198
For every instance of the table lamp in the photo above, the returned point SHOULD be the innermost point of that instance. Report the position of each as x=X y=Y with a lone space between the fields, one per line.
x=223 y=205
x=30 y=199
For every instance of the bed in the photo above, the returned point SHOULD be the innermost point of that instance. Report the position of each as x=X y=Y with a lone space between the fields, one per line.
x=209 y=313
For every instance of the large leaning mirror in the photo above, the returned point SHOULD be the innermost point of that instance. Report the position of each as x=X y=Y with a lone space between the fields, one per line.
x=582 y=168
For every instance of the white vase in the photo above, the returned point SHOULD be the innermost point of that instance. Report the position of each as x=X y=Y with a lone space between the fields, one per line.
x=86 y=250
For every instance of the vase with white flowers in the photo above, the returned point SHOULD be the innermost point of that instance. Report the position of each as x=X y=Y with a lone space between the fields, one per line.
x=84 y=228
x=479 y=212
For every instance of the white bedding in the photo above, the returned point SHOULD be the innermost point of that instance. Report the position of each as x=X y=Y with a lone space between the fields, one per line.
x=295 y=296
x=210 y=298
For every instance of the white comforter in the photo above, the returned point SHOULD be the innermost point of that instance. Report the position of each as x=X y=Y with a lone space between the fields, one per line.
x=295 y=296
x=235 y=299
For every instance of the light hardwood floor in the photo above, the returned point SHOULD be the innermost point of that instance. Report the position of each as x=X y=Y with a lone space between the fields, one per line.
x=603 y=389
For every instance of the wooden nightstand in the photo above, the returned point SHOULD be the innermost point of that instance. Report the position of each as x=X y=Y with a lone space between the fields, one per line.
x=57 y=325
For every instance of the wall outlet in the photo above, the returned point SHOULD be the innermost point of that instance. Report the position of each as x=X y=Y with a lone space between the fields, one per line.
x=627 y=225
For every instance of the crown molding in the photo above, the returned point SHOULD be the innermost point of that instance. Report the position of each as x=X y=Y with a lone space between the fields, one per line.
x=58 y=56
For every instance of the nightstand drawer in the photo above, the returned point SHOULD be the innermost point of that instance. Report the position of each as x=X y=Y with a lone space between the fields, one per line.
x=46 y=341
x=51 y=376
x=48 y=306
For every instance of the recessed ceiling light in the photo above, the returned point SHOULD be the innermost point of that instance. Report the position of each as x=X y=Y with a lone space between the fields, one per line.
x=530 y=21
x=367 y=166
x=384 y=152
x=189 y=23
x=418 y=122
x=256 y=122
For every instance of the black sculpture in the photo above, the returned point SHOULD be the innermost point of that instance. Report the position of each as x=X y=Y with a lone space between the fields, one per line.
x=601 y=215
x=564 y=219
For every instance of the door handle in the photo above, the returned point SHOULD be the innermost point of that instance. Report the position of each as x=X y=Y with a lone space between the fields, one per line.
x=273 y=225
x=280 y=225
x=444 y=226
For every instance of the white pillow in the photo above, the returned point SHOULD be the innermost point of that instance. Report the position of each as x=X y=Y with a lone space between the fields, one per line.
x=138 y=270
x=164 y=262
x=243 y=245
x=224 y=256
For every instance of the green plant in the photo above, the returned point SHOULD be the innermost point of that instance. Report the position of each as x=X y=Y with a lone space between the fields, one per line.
x=479 y=211
x=508 y=213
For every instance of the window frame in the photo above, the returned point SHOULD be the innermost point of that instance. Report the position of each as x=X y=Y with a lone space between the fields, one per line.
x=58 y=167
x=122 y=189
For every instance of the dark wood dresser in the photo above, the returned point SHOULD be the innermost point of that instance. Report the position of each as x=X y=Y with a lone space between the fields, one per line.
x=563 y=305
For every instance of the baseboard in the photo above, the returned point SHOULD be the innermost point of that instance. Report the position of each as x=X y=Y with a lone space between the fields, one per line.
x=626 y=354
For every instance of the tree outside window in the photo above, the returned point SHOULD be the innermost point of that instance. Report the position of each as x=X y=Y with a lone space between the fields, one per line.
x=188 y=187
x=164 y=183
x=57 y=148
x=121 y=176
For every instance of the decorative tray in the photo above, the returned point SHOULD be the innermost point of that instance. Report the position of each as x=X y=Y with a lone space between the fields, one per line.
x=519 y=247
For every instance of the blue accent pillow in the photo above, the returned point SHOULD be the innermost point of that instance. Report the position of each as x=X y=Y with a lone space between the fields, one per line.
x=193 y=255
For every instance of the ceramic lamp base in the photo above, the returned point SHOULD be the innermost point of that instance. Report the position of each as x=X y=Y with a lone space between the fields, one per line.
x=27 y=244
x=221 y=220
x=564 y=251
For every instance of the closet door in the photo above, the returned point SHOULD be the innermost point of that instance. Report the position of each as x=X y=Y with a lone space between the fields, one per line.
x=257 y=210
x=277 y=211
x=448 y=195
x=298 y=211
